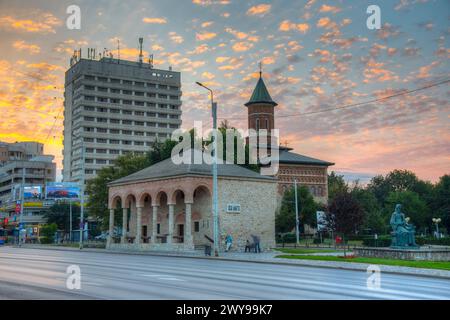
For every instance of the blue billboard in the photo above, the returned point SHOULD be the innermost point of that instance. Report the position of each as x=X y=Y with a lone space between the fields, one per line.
x=62 y=190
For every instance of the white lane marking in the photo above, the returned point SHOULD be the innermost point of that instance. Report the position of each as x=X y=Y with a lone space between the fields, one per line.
x=161 y=277
x=171 y=279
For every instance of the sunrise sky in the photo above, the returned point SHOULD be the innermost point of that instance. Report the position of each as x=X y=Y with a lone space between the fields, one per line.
x=316 y=55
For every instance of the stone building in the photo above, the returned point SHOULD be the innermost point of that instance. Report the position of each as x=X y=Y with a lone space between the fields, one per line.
x=168 y=206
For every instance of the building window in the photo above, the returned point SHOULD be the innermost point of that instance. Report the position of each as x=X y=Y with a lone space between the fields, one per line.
x=257 y=124
x=158 y=228
x=196 y=226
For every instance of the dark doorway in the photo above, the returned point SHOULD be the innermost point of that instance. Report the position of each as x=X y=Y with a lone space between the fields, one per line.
x=144 y=231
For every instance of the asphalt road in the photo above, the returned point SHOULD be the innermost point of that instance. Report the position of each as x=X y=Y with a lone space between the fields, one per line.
x=41 y=274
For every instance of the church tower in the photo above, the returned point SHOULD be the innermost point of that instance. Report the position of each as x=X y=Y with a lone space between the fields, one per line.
x=260 y=108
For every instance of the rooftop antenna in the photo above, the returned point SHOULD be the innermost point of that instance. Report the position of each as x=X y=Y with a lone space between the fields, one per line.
x=118 y=50
x=141 y=40
x=150 y=61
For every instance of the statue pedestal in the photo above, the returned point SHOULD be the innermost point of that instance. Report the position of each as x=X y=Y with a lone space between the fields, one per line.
x=410 y=253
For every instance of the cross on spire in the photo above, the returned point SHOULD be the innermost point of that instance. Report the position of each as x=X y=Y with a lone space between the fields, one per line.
x=260 y=69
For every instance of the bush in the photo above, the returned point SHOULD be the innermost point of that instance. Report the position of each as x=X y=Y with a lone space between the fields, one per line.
x=286 y=238
x=48 y=233
x=380 y=242
x=433 y=241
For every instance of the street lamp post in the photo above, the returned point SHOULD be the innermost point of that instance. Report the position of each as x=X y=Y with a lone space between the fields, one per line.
x=82 y=193
x=297 y=222
x=436 y=222
x=215 y=205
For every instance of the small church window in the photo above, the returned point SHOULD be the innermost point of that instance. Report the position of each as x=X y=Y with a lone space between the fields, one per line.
x=196 y=226
x=257 y=124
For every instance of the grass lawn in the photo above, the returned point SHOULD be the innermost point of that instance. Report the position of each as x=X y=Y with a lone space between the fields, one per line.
x=442 y=265
x=304 y=251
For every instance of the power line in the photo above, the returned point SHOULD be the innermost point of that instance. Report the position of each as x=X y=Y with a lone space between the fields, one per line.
x=358 y=104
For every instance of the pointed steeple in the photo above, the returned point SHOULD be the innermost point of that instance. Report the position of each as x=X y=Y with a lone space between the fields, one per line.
x=261 y=94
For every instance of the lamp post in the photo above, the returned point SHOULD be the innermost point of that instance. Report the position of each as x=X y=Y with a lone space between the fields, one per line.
x=436 y=222
x=215 y=206
x=297 y=222
x=82 y=193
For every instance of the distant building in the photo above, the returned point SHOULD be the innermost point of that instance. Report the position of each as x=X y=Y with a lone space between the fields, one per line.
x=113 y=107
x=24 y=162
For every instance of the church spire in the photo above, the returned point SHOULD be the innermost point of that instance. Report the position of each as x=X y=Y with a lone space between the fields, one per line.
x=260 y=93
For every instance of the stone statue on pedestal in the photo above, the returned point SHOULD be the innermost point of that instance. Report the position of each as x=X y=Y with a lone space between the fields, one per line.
x=403 y=233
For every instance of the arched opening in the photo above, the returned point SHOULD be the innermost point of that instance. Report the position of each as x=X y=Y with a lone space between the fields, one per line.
x=116 y=205
x=145 y=201
x=202 y=214
x=162 y=225
x=129 y=231
x=178 y=197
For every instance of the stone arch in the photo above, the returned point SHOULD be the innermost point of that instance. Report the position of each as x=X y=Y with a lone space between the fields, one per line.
x=114 y=200
x=158 y=195
x=202 y=186
x=176 y=191
x=144 y=197
x=129 y=198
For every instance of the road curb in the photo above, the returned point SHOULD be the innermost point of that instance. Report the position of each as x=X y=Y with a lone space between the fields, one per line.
x=349 y=267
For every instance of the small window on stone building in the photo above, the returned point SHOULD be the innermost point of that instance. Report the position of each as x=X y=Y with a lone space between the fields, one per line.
x=196 y=226
x=158 y=228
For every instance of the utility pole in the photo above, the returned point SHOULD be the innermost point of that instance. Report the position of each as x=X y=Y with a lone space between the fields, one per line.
x=215 y=186
x=82 y=195
x=22 y=200
x=70 y=220
x=297 y=222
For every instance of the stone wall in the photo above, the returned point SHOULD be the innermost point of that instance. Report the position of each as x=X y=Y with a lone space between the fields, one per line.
x=257 y=216
x=425 y=254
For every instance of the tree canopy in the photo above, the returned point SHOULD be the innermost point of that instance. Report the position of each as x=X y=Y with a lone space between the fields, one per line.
x=307 y=207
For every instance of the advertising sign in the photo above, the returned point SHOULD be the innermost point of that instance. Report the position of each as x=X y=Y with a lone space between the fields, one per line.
x=321 y=222
x=32 y=192
x=62 y=190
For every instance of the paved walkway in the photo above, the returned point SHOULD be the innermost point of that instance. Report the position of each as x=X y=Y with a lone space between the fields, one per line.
x=268 y=257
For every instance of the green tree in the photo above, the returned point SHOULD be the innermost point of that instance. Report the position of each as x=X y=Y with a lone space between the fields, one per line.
x=59 y=213
x=336 y=185
x=307 y=207
x=412 y=206
x=239 y=142
x=97 y=188
x=399 y=180
x=373 y=217
x=47 y=233
x=441 y=201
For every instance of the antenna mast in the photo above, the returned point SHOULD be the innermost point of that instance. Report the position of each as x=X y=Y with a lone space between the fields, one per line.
x=118 y=50
x=141 y=40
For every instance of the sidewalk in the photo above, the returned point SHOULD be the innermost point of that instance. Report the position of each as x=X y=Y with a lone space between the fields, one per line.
x=263 y=257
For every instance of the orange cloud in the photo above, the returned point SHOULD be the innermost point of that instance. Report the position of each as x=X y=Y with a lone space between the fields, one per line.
x=44 y=23
x=176 y=38
x=287 y=25
x=23 y=46
x=155 y=20
x=207 y=24
x=205 y=36
x=208 y=75
x=259 y=10
x=326 y=8
x=242 y=46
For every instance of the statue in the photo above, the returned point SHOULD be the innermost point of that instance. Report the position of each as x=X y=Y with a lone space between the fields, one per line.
x=403 y=233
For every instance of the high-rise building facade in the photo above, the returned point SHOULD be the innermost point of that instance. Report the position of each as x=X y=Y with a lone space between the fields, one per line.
x=29 y=156
x=113 y=107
